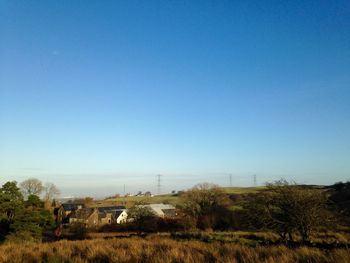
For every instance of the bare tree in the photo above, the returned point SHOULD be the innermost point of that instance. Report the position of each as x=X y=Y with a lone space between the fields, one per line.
x=286 y=208
x=51 y=192
x=206 y=203
x=31 y=186
x=139 y=213
x=143 y=218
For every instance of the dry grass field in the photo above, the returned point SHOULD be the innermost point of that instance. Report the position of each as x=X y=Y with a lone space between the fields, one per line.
x=162 y=250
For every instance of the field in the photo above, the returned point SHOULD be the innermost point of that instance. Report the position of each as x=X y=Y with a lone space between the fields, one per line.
x=243 y=190
x=168 y=198
x=322 y=239
x=162 y=250
x=131 y=200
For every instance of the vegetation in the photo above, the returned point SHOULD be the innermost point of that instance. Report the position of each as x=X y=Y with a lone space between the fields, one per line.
x=288 y=208
x=130 y=201
x=32 y=186
x=173 y=198
x=159 y=250
x=243 y=190
x=208 y=205
x=340 y=199
x=50 y=192
x=24 y=221
x=143 y=218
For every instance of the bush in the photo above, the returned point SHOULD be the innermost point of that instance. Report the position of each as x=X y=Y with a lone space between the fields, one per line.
x=22 y=237
x=289 y=209
x=171 y=225
x=153 y=224
x=208 y=205
x=78 y=231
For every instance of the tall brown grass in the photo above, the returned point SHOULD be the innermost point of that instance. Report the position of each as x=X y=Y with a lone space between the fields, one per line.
x=162 y=250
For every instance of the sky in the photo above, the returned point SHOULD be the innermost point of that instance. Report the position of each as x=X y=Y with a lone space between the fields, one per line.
x=95 y=95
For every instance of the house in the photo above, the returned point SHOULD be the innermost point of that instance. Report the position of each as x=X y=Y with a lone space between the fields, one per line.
x=120 y=217
x=62 y=213
x=162 y=210
x=87 y=216
x=117 y=214
x=104 y=218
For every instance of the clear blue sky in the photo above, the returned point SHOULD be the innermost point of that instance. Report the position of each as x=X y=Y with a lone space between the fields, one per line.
x=98 y=94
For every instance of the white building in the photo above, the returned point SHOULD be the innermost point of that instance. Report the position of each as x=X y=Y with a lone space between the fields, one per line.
x=162 y=210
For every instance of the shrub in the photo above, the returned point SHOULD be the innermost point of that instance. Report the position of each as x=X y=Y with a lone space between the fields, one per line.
x=22 y=237
x=208 y=205
x=288 y=209
x=78 y=231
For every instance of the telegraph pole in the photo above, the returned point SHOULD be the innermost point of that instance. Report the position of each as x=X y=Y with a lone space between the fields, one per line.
x=158 y=183
x=124 y=196
x=230 y=180
x=254 y=180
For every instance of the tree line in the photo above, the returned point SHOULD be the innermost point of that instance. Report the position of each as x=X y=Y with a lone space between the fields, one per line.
x=24 y=216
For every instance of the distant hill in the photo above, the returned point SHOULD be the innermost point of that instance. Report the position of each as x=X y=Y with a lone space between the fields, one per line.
x=175 y=199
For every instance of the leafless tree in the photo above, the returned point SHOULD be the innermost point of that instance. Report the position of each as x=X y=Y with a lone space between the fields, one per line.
x=51 y=192
x=206 y=203
x=32 y=186
x=287 y=208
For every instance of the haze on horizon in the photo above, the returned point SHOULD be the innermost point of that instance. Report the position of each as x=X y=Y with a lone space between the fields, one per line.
x=98 y=94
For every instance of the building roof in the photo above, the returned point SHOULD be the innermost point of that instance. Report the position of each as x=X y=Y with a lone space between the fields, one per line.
x=118 y=213
x=111 y=208
x=71 y=207
x=162 y=206
x=83 y=213
x=162 y=209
